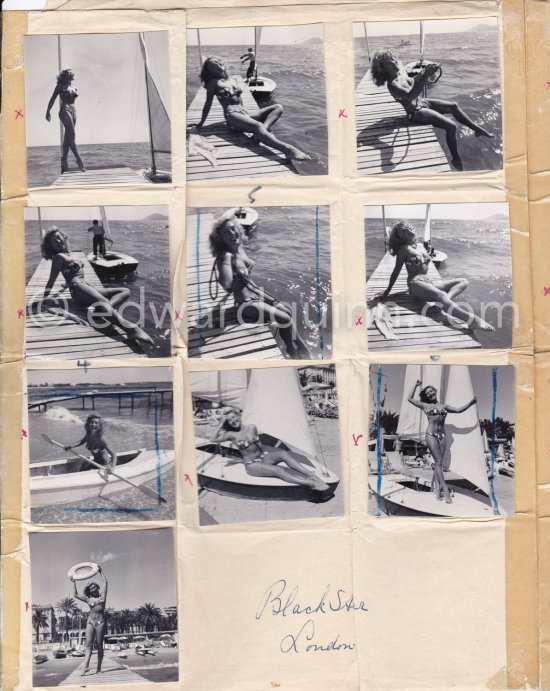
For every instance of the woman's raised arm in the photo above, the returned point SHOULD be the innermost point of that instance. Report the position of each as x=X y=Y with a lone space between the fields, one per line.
x=461 y=409
x=411 y=397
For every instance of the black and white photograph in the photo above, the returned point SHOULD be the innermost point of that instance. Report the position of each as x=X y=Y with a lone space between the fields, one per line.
x=439 y=276
x=428 y=96
x=101 y=444
x=97 y=282
x=267 y=444
x=441 y=440
x=97 y=109
x=102 y=612
x=259 y=283
x=256 y=103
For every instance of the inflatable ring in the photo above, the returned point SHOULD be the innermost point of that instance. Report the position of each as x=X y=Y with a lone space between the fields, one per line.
x=418 y=67
x=82 y=571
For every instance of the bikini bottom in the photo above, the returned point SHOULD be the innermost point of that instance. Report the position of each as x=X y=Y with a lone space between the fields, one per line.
x=420 y=103
x=230 y=110
x=67 y=114
x=95 y=624
x=421 y=278
x=440 y=436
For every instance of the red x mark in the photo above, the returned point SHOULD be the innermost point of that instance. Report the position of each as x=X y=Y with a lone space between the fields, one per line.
x=18 y=114
x=26 y=606
x=187 y=479
x=19 y=313
x=546 y=290
x=342 y=113
x=23 y=433
x=358 y=321
x=178 y=316
x=547 y=85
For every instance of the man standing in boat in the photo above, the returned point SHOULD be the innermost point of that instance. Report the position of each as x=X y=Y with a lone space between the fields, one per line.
x=99 y=238
x=250 y=56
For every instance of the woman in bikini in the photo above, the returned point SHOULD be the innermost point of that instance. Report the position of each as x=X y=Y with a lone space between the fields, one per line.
x=96 y=443
x=101 y=301
x=436 y=437
x=409 y=252
x=218 y=83
x=232 y=268
x=67 y=114
x=407 y=90
x=95 y=597
x=261 y=463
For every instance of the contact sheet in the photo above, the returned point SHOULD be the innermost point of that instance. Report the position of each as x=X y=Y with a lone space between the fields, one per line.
x=273 y=345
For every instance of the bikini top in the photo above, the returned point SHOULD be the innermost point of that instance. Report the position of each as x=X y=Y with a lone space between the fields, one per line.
x=245 y=443
x=96 y=446
x=228 y=92
x=72 y=268
x=442 y=411
x=68 y=95
x=417 y=259
x=95 y=601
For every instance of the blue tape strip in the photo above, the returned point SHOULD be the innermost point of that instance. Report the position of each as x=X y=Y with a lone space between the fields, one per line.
x=318 y=283
x=197 y=261
x=378 y=441
x=494 y=501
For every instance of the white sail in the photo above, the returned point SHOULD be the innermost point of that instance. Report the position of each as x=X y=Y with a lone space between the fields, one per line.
x=412 y=420
x=428 y=224
x=274 y=404
x=422 y=40
x=257 y=37
x=159 y=120
x=465 y=455
x=226 y=387
x=105 y=222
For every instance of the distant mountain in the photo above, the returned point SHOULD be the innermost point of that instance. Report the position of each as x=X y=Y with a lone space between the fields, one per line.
x=156 y=217
x=313 y=39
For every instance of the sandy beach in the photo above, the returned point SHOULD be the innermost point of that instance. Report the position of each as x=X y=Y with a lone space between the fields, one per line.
x=217 y=508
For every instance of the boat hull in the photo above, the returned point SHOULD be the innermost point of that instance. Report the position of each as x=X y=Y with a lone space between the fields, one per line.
x=113 y=263
x=262 y=88
x=227 y=475
x=64 y=487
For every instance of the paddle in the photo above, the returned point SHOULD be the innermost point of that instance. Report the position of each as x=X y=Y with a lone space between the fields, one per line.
x=149 y=492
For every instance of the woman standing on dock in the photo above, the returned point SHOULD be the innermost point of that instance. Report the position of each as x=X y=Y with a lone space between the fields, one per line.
x=100 y=301
x=403 y=244
x=96 y=598
x=407 y=90
x=261 y=463
x=67 y=114
x=232 y=268
x=217 y=82
x=436 y=436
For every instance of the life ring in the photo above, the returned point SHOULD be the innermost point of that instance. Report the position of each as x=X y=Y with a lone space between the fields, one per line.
x=418 y=68
x=82 y=571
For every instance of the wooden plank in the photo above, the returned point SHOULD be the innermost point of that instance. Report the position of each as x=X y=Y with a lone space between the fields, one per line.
x=387 y=140
x=112 y=672
x=413 y=328
x=102 y=176
x=213 y=328
x=237 y=155
x=49 y=336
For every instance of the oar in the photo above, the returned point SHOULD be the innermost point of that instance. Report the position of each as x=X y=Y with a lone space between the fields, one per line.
x=149 y=492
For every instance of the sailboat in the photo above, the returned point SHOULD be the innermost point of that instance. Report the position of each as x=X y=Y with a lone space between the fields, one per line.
x=437 y=256
x=111 y=264
x=261 y=87
x=247 y=217
x=464 y=463
x=271 y=399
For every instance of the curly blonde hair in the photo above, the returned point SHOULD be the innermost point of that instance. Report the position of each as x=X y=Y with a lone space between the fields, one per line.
x=379 y=75
x=217 y=243
x=47 y=250
x=401 y=234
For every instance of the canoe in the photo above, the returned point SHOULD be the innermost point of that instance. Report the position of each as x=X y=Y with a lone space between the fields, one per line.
x=227 y=474
x=62 y=481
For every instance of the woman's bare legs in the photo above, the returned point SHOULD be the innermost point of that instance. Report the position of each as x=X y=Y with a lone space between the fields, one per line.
x=100 y=633
x=245 y=123
x=90 y=636
x=259 y=312
x=268 y=467
x=69 y=141
x=268 y=115
x=427 y=116
x=452 y=108
x=437 y=449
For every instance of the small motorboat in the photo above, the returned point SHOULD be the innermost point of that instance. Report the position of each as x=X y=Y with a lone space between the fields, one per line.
x=247 y=217
x=113 y=263
x=39 y=659
x=261 y=87
x=60 y=653
x=439 y=257
x=75 y=652
x=405 y=42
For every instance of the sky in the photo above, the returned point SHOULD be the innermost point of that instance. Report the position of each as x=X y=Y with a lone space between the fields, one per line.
x=138 y=565
x=244 y=36
x=432 y=26
x=99 y=375
x=477 y=211
x=87 y=213
x=481 y=379
x=109 y=77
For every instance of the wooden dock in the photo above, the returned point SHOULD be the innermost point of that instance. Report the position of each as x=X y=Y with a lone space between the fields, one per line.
x=237 y=155
x=213 y=328
x=112 y=672
x=387 y=141
x=414 y=331
x=50 y=336
x=121 y=175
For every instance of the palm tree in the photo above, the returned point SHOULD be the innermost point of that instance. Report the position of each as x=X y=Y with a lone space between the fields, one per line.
x=127 y=620
x=149 y=614
x=39 y=621
x=66 y=606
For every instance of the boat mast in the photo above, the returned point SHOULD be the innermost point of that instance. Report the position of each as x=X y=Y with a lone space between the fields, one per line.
x=200 y=48
x=105 y=222
x=367 y=40
x=144 y=56
x=428 y=224
x=40 y=224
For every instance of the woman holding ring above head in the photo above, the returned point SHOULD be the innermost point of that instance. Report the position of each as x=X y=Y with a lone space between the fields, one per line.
x=96 y=598
x=67 y=114
x=436 y=436
x=258 y=123
x=413 y=255
x=233 y=267
x=261 y=463
x=407 y=90
x=103 y=301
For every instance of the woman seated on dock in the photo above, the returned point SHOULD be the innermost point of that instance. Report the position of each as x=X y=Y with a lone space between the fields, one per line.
x=101 y=302
x=436 y=435
x=260 y=463
x=407 y=90
x=259 y=122
x=403 y=244
x=232 y=268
